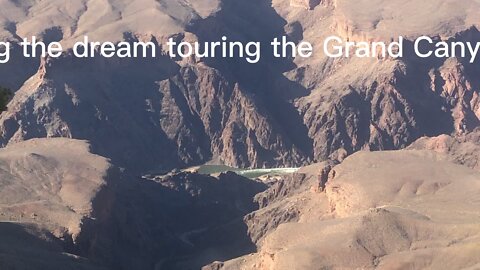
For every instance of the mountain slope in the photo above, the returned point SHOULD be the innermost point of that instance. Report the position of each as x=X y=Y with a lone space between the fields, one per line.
x=48 y=188
x=279 y=112
x=378 y=214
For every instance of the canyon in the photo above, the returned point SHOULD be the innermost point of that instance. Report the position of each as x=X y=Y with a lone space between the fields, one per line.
x=386 y=147
x=374 y=214
x=186 y=111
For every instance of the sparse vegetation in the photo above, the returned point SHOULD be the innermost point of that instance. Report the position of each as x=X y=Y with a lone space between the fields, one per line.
x=5 y=97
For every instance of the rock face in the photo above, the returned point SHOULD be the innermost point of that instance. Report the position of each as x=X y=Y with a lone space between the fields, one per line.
x=27 y=247
x=181 y=221
x=307 y=4
x=283 y=201
x=180 y=112
x=379 y=215
x=407 y=209
x=47 y=191
x=63 y=207
x=381 y=20
x=462 y=150
x=50 y=182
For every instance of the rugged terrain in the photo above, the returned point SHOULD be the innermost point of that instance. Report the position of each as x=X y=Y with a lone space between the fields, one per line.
x=286 y=112
x=375 y=214
x=79 y=134
x=62 y=207
x=47 y=189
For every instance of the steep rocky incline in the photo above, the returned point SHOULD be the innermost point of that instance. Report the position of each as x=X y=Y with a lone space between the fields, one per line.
x=69 y=204
x=375 y=214
x=179 y=221
x=285 y=201
x=174 y=113
x=278 y=112
x=383 y=103
x=47 y=192
x=53 y=188
x=464 y=150
x=62 y=207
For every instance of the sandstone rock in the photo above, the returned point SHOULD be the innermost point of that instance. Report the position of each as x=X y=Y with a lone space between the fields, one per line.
x=47 y=192
x=387 y=210
x=146 y=113
x=51 y=183
x=307 y=4
x=186 y=112
x=176 y=221
x=280 y=203
x=462 y=150
x=59 y=201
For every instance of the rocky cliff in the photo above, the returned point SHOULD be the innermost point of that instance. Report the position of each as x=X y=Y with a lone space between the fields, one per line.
x=375 y=214
x=48 y=187
x=78 y=204
x=62 y=207
x=179 y=112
